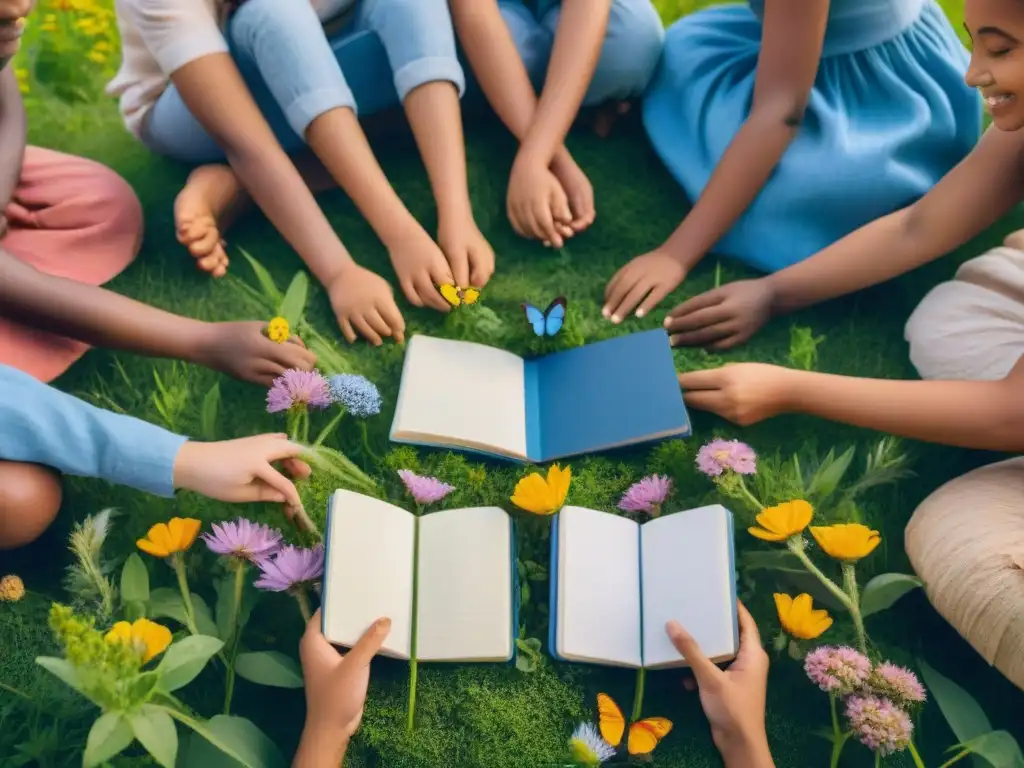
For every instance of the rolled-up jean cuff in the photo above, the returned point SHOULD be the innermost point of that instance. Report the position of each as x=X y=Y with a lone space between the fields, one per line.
x=308 y=107
x=429 y=70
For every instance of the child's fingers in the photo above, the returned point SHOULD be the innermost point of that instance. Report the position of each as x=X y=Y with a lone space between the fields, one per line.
x=458 y=260
x=633 y=296
x=658 y=292
x=366 y=330
x=279 y=484
x=369 y=644
x=393 y=317
x=429 y=294
x=544 y=220
x=346 y=330
x=409 y=289
x=712 y=401
x=697 y=319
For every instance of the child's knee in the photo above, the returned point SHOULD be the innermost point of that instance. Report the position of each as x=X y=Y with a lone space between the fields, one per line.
x=120 y=209
x=631 y=52
x=30 y=497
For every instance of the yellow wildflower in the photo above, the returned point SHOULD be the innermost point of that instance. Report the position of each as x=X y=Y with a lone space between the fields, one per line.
x=146 y=638
x=96 y=56
x=278 y=330
x=780 y=522
x=798 y=617
x=166 y=539
x=12 y=589
x=543 y=496
x=846 y=541
x=23 y=79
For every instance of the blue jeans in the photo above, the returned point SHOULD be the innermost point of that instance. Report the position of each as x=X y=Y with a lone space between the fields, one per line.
x=631 y=51
x=296 y=74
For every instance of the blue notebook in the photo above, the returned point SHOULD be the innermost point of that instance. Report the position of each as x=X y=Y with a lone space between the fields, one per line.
x=447 y=580
x=615 y=584
x=609 y=394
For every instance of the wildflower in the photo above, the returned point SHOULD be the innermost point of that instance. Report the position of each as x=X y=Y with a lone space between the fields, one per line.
x=846 y=541
x=647 y=495
x=12 y=589
x=243 y=539
x=798 y=617
x=720 y=456
x=291 y=568
x=896 y=683
x=879 y=724
x=357 y=394
x=837 y=670
x=278 y=330
x=298 y=389
x=24 y=81
x=588 y=748
x=424 y=490
x=780 y=522
x=165 y=539
x=543 y=496
x=146 y=638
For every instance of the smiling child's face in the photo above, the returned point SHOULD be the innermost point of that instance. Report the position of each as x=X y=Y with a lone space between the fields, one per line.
x=996 y=28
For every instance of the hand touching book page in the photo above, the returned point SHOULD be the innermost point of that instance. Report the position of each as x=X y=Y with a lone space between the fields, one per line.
x=615 y=584
x=613 y=393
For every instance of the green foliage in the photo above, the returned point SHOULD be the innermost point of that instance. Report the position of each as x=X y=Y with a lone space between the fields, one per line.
x=87 y=579
x=803 y=348
x=884 y=590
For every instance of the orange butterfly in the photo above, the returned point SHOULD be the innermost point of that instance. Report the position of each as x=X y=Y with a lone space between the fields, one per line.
x=644 y=735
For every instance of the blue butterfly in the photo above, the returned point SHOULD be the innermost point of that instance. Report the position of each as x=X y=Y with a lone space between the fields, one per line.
x=549 y=322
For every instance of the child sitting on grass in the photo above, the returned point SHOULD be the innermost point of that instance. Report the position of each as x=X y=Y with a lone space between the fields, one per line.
x=575 y=52
x=208 y=81
x=46 y=431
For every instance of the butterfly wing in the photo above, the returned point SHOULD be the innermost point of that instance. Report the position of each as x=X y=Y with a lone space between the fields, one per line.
x=554 y=316
x=535 y=318
x=611 y=720
x=645 y=735
x=451 y=294
x=470 y=295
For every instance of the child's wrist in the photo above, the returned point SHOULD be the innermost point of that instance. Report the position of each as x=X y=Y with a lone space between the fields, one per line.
x=747 y=748
x=320 y=745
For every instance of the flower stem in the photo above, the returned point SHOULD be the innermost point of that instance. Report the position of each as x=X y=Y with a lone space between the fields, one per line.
x=186 y=593
x=751 y=497
x=326 y=431
x=303 y=600
x=413 y=674
x=956 y=758
x=236 y=632
x=795 y=545
x=15 y=691
x=918 y=762
x=638 y=696
x=838 y=737
x=718 y=273
x=366 y=442
x=850 y=582
x=878 y=759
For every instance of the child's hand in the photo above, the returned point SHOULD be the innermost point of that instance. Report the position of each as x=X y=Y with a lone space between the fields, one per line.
x=241 y=470
x=243 y=351
x=469 y=254
x=578 y=190
x=537 y=205
x=421 y=267
x=336 y=685
x=733 y=699
x=743 y=393
x=363 y=302
x=646 y=280
x=723 y=317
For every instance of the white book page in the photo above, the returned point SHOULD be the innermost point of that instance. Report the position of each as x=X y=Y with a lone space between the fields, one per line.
x=598 y=588
x=464 y=599
x=688 y=576
x=368 y=574
x=462 y=394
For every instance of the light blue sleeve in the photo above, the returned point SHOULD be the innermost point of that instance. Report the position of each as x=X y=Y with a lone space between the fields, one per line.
x=42 y=425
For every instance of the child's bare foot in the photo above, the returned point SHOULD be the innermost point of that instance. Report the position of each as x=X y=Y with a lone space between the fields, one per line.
x=1015 y=240
x=607 y=115
x=578 y=190
x=211 y=196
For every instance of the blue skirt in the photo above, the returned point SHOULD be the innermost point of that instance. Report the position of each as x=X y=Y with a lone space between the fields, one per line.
x=883 y=124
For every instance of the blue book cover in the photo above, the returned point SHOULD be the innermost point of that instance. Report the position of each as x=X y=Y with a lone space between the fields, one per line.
x=610 y=394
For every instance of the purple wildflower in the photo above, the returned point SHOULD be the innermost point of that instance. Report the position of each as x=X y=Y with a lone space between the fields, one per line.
x=720 y=456
x=298 y=389
x=424 y=490
x=897 y=683
x=291 y=568
x=837 y=670
x=244 y=540
x=879 y=724
x=646 y=495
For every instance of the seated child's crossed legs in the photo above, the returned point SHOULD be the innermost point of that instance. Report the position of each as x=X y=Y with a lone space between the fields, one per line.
x=30 y=497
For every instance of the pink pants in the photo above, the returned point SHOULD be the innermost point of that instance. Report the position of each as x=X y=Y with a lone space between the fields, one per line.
x=72 y=218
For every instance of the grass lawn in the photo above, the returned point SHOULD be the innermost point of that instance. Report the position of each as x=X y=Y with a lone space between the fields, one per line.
x=472 y=715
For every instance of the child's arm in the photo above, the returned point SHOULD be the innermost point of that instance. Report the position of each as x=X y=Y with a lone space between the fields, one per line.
x=970 y=198
x=103 y=318
x=12 y=137
x=985 y=415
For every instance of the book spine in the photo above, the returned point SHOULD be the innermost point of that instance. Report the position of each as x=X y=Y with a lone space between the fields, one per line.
x=327 y=566
x=532 y=393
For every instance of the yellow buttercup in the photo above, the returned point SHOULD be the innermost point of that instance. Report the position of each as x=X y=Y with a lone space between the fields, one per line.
x=145 y=637
x=543 y=496
x=166 y=539
x=799 y=618
x=782 y=521
x=457 y=296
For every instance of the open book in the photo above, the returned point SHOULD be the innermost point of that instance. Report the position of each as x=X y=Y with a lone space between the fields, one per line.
x=616 y=583
x=613 y=393
x=447 y=580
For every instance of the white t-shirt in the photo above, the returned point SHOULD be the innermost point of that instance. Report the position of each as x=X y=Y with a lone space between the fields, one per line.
x=159 y=37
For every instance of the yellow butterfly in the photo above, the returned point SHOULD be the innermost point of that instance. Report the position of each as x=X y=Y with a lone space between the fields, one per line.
x=644 y=735
x=455 y=295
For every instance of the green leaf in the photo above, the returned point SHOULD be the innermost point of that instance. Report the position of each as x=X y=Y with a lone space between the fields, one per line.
x=802 y=581
x=142 y=687
x=830 y=474
x=524 y=593
x=884 y=590
x=770 y=560
x=535 y=571
x=998 y=748
x=795 y=650
x=965 y=716
x=155 y=730
x=270 y=289
x=208 y=415
x=134 y=610
x=269 y=668
x=293 y=305
x=63 y=670
x=525 y=663
x=167 y=602
x=185 y=659
x=109 y=736
x=209 y=746
x=134 y=580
